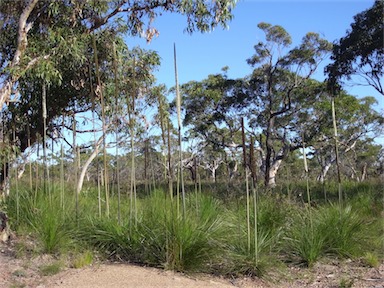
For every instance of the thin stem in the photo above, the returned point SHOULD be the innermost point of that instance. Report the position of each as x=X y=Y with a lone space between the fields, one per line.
x=116 y=92
x=178 y=101
x=75 y=166
x=100 y=92
x=337 y=152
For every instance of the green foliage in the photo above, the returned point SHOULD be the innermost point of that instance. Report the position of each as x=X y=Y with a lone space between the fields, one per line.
x=271 y=217
x=346 y=283
x=45 y=218
x=345 y=230
x=371 y=260
x=160 y=237
x=361 y=51
x=56 y=51
x=212 y=235
x=330 y=230
x=51 y=269
x=305 y=238
x=82 y=259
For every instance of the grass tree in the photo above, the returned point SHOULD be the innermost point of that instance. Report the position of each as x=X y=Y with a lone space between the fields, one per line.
x=99 y=92
x=335 y=138
x=246 y=172
x=162 y=118
x=179 y=124
x=132 y=117
x=116 y=95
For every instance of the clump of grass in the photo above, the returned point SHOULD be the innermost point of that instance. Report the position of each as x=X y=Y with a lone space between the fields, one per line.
x=52 y=227
x=333 y=230
x=305 y=239
x=44 y=218
x=261 y=254
x=182 y=243
x=242 y=261
x=82 y=259
x=371 y=259
x=50 y=269
x=346 y=230
x=107 y=236
x=160 y=237
x=346 y=283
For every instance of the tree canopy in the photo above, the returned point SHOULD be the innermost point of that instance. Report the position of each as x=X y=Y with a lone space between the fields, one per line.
x=41 y=32
x=361 y=51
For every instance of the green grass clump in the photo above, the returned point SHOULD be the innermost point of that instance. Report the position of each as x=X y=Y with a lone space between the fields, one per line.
x=329 y=230
x=44 y=219
x=211 y=236
x=371 y=259
x=51 y=269
x=256 y=257
x=162 y=236
x=191 y=241
x=107 y=236
x=305 y=238
x=82 y=259
x=345 y=229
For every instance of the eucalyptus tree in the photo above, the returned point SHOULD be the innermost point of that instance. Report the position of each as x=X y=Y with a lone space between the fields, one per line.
x=280 y=94
x=357 y=122
x=49 y=42
x=362 y=163
x=37 y=31
x=361 y=52
x=212 y=120
x=125 y=97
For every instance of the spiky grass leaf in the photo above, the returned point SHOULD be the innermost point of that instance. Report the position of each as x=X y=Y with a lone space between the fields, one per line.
x=305 y=239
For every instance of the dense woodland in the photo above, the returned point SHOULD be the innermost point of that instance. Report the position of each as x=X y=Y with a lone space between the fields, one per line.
x=278 y=134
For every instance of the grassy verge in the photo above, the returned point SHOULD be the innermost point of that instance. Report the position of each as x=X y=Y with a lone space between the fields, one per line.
x=212 y=236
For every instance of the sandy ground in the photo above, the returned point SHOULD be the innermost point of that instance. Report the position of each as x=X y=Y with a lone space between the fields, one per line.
x=115 y=276
x=26 y=272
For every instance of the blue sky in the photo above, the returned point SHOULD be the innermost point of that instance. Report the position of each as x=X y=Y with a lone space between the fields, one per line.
x=199 y=55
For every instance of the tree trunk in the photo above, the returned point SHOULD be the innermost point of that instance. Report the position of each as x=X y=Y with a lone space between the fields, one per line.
x=272 y=173
x=324 y=170
x=193 y=173
x=86 y=165
x=364 y=172
x=22 y=42
x=4 y=179
x=4 y=228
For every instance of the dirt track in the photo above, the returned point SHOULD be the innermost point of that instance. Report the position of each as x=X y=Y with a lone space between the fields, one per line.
x=26 y=273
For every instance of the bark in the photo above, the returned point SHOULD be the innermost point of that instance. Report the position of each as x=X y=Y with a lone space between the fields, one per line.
x=232 y=169
x=190 y=164
x=272 y=173
x=324 y=170
x=86 y=165
x=22 y=42
x=212 y=167
x=364 y=172
x=4 y=228
x=325 y=166
x=4 y=179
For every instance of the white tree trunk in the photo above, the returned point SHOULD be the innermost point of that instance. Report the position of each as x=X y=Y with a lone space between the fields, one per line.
x=364 y=172
x=324 y=172
x=272 y=173
x=22 y=42
x=86 y=165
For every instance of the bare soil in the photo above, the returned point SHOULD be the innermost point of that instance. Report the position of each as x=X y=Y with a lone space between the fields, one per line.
x=27 y=272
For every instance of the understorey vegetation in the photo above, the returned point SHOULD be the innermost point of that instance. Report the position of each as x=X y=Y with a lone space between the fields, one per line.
x=213 y=235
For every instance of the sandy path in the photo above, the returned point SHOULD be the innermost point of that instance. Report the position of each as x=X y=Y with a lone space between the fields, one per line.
x=120 y=275
x=25 y=272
